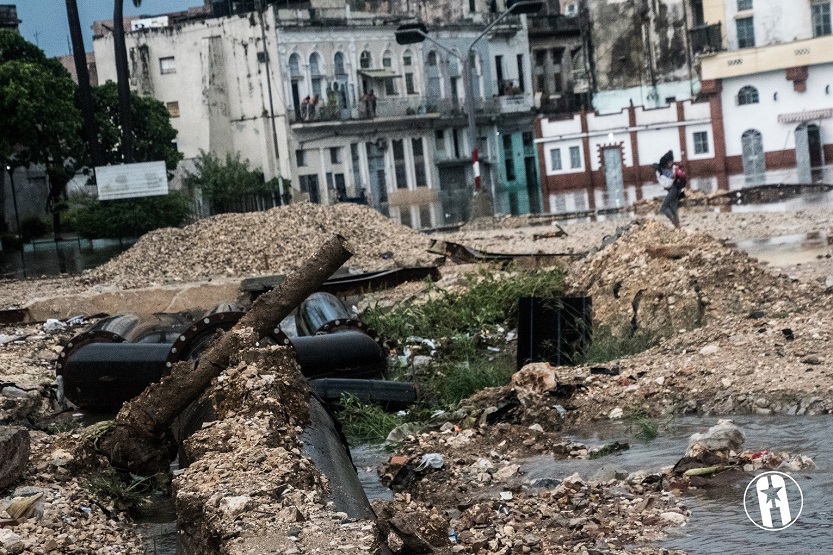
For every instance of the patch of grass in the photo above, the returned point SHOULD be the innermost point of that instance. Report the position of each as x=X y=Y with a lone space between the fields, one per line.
x=490 y=299
x=455 y=381
x=610 y=344
x=648 y=428
x=129 y=492
x=363 y=422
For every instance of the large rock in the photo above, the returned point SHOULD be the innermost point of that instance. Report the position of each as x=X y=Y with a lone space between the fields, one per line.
x=534 y=380
x=723 y=437
x=14 y=454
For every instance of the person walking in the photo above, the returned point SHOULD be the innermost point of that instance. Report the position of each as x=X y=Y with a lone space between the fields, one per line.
x=672 y=178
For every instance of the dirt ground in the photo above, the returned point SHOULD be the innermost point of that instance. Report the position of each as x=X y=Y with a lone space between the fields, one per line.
x=734 y=328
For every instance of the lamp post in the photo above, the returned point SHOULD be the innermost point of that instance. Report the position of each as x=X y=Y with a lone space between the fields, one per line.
x=412 y=33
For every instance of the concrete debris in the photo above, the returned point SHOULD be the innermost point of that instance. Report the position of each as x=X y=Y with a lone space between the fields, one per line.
x=14 y=454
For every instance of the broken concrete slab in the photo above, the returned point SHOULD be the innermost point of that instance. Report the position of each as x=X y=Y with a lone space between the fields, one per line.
x=14 y=454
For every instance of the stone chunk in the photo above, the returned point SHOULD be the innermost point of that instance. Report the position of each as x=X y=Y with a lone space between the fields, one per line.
x=14 y=454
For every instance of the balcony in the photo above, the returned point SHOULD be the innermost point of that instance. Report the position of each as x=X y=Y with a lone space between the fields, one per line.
x=706 y=38
x=396 y=108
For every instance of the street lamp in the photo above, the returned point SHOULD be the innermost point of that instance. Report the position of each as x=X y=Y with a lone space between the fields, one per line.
x=412 y=33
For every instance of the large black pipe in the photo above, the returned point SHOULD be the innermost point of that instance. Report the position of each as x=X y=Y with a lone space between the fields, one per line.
x=102 y=376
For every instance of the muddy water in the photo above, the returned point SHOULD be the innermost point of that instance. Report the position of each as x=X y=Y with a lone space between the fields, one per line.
x=718 y=522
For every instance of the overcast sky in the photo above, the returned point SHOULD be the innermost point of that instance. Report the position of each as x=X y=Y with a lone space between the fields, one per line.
x=45 y=21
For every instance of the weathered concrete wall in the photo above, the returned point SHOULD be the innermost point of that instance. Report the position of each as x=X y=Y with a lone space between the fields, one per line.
x=638 y=43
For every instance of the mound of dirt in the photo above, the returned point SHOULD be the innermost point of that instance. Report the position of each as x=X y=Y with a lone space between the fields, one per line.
x=661 y=278
x=263 y=243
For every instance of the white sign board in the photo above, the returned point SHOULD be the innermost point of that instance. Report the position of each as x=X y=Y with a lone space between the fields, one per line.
x=145 y=179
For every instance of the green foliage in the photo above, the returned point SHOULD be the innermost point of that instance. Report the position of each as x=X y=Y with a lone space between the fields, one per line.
x=463 y=325
x=131 y=493
x=490 y=299
x=613 y=342
x=153 y=135
x=224 y=182
x=33 y=227
x=40 y=122
x=365 y=422
x=134 y=217
x=456 y=380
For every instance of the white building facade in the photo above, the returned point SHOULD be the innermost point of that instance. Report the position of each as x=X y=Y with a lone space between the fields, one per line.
x=308 y=116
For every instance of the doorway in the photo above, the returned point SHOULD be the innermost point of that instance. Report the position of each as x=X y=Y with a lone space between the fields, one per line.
x=754 y=163
x=612 y=157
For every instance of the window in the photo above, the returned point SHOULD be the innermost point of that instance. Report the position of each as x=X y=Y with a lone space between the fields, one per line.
x=300 y=158
x=575 y=157
x=309 y=185
x=508 y=158
x=821 y=19
x=697 y=12
x=399 y=164
x=314 y=66
x=701 y=142
x=526 y=138
x=335 y=155
x=390 y=87
x=425 y=216
x=555 y=159
x=439 y=139
x=744 y=5
x=387 y=62
x=472 y=6
x=407 y=59
x=542 y=86
x=338 y=62
x=747 y=95
x=521 y=76
x=409 y=83
x=167 y=65
x=173 y=109
x=405 y=216
x=419 y=163
x=294 y=66
x=540 y=57
x=746 y=32
x=365 y=60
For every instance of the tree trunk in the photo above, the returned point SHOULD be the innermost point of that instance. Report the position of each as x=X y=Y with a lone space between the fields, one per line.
x=137 y=440
x=122 y=75
x=85 y=95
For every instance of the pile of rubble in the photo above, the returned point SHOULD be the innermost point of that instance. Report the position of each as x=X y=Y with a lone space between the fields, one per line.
x=263 y=243
x=653 y=276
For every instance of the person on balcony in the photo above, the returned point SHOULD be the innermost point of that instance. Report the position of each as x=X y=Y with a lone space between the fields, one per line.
x=311 y=107
x=305 y=103
x=369 y=103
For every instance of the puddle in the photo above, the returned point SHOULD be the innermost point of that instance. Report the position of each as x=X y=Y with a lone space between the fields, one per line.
x=367 y=459
x=156 y=525
x=718 y=523
x=788 y=250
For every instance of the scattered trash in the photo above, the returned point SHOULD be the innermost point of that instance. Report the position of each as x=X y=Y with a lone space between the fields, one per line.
x=608 y=449
x=601 y=370
x=53 y=325
x=506 y=496
x=430 y=460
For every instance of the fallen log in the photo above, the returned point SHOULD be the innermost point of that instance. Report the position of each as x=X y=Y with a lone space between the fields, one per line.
x=138 y=441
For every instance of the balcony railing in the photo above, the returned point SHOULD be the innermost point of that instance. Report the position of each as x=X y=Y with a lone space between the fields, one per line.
x=706 y=38
x=397 y=107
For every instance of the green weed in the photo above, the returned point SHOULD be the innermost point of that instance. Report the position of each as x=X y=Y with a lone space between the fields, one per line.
x=363 y=422
x=455 y=381
x=131 y=493
x=611 y=343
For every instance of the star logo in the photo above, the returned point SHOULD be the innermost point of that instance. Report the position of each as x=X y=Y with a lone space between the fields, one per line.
x=770 y=500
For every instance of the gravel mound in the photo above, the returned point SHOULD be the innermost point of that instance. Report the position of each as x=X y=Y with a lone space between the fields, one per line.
x=263 y=243
x=672 y=279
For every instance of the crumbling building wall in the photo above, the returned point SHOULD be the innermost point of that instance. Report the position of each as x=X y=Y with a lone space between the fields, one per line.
x=640 y=51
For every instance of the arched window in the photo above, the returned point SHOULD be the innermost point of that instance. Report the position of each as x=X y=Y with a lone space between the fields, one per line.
x=365 y=60
x=294 y=66
x=747 y=95
x=314 y=65
x=432 y=59
x=387 y=59
x=433 y=82
x=754 y=162
x=408 y=64
x=338 y=62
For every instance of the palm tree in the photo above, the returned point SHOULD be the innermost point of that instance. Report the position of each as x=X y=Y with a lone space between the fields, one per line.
x=125 y=115
x=85 y=97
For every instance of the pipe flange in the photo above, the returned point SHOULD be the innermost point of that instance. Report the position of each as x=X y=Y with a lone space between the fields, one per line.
x=190 y=344
x=85 y=338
